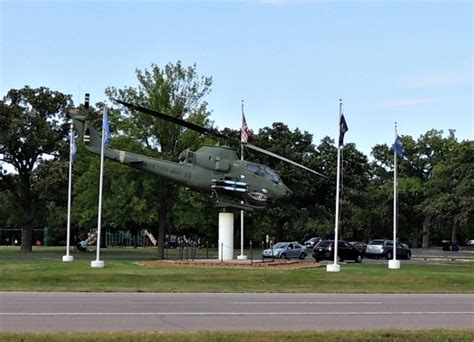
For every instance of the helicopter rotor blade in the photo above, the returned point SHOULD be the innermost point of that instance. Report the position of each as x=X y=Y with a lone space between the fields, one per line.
x=274 y=155
x=204 y=130
x=172 y=119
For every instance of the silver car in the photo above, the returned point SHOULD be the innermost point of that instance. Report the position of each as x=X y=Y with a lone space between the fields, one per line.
x=286 y=250
x=312 y=242
x=384 y=249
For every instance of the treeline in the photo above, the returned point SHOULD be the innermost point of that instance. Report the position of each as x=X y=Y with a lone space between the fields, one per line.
x=435 y=189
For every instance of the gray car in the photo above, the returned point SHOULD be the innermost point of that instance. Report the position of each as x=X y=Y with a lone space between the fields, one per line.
x=285 y=250
x=384 y=249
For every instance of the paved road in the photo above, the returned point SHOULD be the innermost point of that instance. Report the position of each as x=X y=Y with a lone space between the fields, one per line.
x=41 y=312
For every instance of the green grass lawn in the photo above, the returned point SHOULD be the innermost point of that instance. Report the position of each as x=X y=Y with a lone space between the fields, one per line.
x=43 y=270
x=360 y=335
x=119 y=274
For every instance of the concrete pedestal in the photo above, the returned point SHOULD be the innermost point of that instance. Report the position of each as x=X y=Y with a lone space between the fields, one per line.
x=394 y=264
x=333 y=268
x=226 y=236
x=68 y=258
x=97 y=264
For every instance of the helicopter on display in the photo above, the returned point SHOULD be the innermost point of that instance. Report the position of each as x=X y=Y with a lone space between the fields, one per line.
x=230 y=181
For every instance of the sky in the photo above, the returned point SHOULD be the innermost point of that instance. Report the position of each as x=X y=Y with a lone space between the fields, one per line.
x=409 y=62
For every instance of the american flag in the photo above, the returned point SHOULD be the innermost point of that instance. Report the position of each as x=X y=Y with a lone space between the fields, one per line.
x=244 y=131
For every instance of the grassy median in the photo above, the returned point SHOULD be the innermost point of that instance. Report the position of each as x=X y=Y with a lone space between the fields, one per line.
x=129 y=276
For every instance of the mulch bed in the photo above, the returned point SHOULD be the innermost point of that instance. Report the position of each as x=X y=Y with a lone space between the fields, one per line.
x=277 y=264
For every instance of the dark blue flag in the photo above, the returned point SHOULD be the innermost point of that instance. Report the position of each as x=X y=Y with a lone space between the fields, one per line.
x=398 y=147
x=342 y=130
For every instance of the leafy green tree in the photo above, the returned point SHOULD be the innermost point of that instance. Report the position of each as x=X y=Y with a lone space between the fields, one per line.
x=355 y=180
x=296 y=146
x=32 y=128
x=177 y=91
x=449 y=192
x=415 y=170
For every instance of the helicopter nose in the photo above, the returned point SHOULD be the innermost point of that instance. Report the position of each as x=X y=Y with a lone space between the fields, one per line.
x=287 y=192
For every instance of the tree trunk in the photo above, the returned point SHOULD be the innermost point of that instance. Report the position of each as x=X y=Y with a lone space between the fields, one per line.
x=29 y=211
x=27 y=237
x=454 y=231
x=425 y=235
x=162 y=223
x=279 y=227
x=103 y=235
x=415 y=240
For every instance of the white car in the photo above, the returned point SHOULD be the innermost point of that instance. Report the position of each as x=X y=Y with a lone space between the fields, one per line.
x=470 y=243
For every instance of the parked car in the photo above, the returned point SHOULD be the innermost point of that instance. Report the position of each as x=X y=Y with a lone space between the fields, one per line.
x=384 y=249
x=405 y=242
x=470 y=243
x=285 y=250
x=312 y=242
x=360 y=246
x=324 y=250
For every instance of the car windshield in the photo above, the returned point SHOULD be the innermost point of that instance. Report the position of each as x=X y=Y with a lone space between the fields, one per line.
x=376 y=242
x=280 y=245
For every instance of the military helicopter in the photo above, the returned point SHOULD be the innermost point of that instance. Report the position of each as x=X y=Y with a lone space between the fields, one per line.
x=231 y=182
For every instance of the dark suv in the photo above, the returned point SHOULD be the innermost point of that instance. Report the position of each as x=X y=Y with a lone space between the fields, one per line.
x=324 y=250
x=384 y=249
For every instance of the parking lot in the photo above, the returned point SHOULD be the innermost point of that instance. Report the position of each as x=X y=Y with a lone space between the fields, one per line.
x=429 y=256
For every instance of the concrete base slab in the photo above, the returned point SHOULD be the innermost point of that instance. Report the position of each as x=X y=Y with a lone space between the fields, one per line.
x=68 y=258
x=97 y=264
x=333 y=268
x=394 y=264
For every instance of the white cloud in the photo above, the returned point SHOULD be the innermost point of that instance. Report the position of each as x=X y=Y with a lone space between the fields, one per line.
x=405 y=102
x=436 y=79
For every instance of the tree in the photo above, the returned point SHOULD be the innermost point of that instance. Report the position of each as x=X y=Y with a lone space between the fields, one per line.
x=415 y=172
x=449 y=192
x=296 y=146
x=32 y=128
x=177 y=91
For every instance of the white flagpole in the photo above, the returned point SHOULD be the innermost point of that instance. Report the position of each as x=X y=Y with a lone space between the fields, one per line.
x=335 y=267
x=394 y=263
x=67 y=257
x=242 y=256
x=97 y=263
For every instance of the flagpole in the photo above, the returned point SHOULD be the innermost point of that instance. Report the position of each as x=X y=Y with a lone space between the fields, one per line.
x=242 y=256
x=335 y=267
x=97 y=263
x=341 y=227
x=67 y=257
x=394 y=263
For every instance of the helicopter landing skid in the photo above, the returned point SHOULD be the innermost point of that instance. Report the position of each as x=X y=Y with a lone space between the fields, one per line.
x=223 y=204
x=220 y=203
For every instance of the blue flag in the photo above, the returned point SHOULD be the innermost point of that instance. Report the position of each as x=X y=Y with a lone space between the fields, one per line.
x=342 y=130
x=73 y=147
x=398 y=147
x=105 y=127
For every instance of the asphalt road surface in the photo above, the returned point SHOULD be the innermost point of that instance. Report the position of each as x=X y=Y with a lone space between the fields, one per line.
x=93 y=312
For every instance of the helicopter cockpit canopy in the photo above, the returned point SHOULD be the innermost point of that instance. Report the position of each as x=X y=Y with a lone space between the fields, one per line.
x=264 y=172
